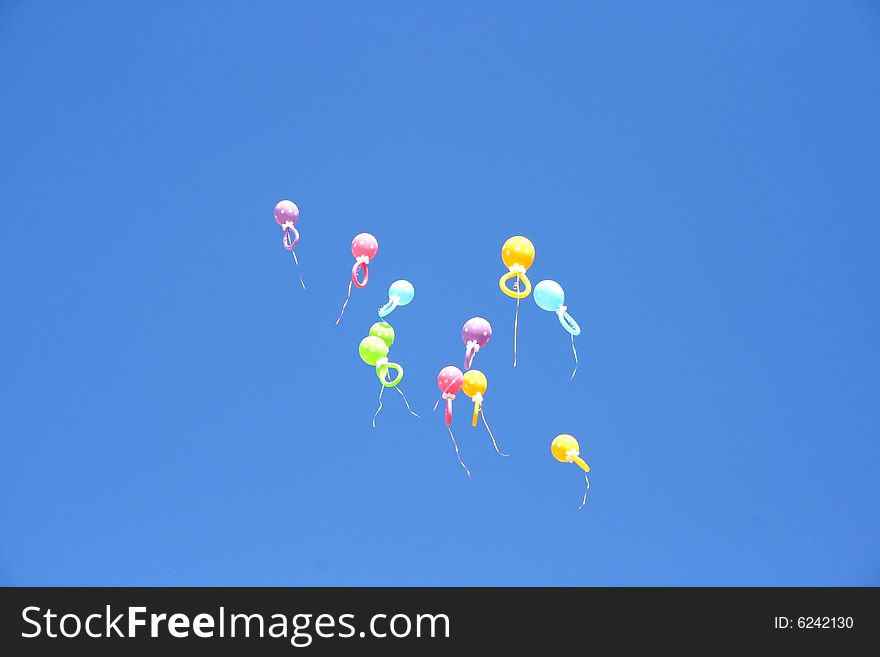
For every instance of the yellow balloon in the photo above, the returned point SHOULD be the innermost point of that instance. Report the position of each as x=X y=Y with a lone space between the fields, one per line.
x=565 y=448
x=518 y=254
x=473 y=382
x=518 y=250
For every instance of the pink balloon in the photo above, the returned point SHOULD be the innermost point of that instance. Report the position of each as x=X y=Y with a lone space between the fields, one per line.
x=286 y=211
x=449 y=380
x=364 y=245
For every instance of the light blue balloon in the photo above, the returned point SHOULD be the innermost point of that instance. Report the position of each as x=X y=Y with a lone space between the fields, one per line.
x=403 y=290
x=549 y=295
x=399 y=294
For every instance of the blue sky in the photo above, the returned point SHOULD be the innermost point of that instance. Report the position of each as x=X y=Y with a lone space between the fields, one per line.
x=702 y=179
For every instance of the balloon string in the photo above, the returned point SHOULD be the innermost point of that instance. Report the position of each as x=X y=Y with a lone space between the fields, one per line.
x=585 y=492
x=515 y=318
x=397 y=388
x=482 y=415
x=381 y=390
x=344 y=304
x=575 y=352
x=457 y=453
x=298 y=270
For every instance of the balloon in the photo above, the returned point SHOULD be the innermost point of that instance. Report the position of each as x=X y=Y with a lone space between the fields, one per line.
x=374 y=351
x=519 y=251
x=384 y=332
x=364 y=248
x=449 y=381
x=518 y=254
x=475 y=334
x=286 y=215
x=474 y=384
x=399 y=294
x=286 y=211
x=550 y=296
x=565 y=449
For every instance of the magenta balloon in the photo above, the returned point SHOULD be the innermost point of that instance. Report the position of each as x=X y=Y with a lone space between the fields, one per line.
x=449 y=380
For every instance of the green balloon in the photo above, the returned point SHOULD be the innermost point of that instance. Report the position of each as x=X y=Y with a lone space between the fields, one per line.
x=372 y=349
x=384 y=332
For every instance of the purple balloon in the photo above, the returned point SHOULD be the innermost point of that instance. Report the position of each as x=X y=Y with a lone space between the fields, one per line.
x=475 y=334
x=286 y=211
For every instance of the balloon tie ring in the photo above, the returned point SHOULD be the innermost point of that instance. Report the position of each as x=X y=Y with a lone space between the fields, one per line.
x=443 y=395
x=471 y=349
x=360 y=262
x=286 y=240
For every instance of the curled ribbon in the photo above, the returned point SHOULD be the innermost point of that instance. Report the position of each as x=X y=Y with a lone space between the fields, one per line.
x=519 y=272
x=361 y=262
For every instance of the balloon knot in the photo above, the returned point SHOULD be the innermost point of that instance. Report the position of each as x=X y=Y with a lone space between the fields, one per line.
x=287 y=225
x=517 y=269
x=448 y=395
x=473 y=344
x=478 y=398
x=571 y=455
x=561 y=310
x=362 y=258
x=381 y=362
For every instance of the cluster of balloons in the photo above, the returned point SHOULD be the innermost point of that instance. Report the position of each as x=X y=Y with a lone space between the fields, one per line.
x=374 y=350
x=475 y=334
x=518 y=255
